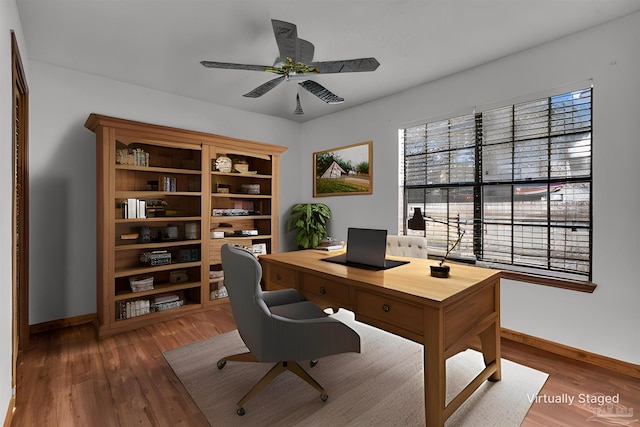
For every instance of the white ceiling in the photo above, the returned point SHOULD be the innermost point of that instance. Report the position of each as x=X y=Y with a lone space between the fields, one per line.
x=159 y=44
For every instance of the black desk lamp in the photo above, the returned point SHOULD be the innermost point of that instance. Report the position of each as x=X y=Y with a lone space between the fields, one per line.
x=417 y=222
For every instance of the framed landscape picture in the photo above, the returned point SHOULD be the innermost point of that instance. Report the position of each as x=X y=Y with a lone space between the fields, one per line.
x=343 y=170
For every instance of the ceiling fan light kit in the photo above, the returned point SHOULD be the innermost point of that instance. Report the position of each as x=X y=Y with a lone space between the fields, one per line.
x=295 y=62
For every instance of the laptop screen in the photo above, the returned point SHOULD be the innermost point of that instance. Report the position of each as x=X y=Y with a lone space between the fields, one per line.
x=366 y=246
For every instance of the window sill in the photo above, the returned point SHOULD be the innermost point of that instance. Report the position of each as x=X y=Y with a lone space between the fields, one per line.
x=572 y=285
x=524 y=276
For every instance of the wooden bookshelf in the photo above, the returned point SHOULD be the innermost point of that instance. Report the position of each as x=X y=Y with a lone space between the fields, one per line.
x=159 y=192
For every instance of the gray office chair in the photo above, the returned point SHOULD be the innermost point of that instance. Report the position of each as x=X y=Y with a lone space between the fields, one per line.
x=278 y=326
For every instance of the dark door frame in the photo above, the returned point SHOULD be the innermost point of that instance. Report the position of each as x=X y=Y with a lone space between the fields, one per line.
x=20 y=217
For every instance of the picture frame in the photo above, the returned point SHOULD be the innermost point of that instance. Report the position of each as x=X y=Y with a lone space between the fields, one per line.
x=343 y=171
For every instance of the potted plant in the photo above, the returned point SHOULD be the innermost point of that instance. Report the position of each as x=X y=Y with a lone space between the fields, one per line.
x=310 y=219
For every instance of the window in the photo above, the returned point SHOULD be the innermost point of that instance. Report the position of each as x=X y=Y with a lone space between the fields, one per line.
x=515 y=180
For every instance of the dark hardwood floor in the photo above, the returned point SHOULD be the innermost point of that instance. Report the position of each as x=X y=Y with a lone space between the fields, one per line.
x=68 y=378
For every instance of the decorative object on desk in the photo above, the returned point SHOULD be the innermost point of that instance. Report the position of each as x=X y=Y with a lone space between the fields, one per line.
x=417 y=222
x=388 y=362
x=330 y=244
x=310 y=219
x=344 y=170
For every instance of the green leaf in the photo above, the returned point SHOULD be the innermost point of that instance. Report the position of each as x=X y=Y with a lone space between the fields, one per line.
x=310 y=219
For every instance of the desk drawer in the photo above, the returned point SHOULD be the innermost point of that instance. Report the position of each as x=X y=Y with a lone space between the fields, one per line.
x=333 y=293
x=390 y=311
x=281 y=277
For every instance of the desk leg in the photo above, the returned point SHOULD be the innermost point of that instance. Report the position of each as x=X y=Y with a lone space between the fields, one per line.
x=490 y=341
x=490 y=338
x=435 y=379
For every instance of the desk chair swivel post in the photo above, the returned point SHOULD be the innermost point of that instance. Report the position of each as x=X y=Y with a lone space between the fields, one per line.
x=278 y=326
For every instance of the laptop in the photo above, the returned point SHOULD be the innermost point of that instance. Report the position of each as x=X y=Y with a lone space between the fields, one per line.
x=366 y=248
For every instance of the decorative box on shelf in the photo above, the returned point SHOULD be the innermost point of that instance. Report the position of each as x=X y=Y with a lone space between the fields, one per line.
x=139 y=284
x=178 y=276
x=250 y=188
x=156 y=257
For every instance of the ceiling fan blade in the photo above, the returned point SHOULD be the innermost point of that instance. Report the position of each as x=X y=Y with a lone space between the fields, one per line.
x=264 y=88
x=321 y=92
x=347 y=66
x=305 y=51
x=289 y=45
x=231 y=66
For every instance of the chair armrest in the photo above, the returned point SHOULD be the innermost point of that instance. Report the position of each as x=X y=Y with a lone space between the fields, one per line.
x=280 y=297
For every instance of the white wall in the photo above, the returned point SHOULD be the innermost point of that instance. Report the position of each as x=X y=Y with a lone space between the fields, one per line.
x=62 y=155
x=9 y=20
x=605 y=322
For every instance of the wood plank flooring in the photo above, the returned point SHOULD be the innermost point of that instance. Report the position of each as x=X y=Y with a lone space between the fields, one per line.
x=68 y=378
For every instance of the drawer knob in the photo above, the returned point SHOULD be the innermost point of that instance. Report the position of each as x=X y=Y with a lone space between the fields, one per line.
x=278 y=276
x=323 y=290
x=386 y=308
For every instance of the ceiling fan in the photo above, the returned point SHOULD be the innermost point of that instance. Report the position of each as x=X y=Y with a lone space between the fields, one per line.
x=295 y=62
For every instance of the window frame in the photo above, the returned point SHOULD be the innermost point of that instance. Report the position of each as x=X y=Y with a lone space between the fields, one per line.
x=550 y=276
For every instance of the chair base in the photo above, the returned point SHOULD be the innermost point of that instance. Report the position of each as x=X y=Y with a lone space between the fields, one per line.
x=288 y=365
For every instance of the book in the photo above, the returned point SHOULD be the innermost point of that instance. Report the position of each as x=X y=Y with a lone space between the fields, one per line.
x=331 y=245
x=132 y=208
x=142 y=209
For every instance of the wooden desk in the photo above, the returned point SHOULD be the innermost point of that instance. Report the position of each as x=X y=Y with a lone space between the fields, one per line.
x=442 y=314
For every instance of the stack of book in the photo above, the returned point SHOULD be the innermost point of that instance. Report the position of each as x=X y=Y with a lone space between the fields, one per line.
x=132 y=308
x=331 y=245
x=134 y=208
x=167 y=184
x=166 y=302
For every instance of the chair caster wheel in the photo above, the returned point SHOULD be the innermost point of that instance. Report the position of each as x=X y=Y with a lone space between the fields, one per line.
x=240 y=411
x=222 y=363
x=313 y=363
x=324 y=397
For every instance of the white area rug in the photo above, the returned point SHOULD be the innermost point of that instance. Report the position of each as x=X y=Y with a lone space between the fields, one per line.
x=382 y=386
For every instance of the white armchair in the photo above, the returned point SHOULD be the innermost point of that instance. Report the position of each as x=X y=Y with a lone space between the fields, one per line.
x=409 y=246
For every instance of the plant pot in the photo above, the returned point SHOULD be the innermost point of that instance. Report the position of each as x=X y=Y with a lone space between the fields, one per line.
x=441 y=271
